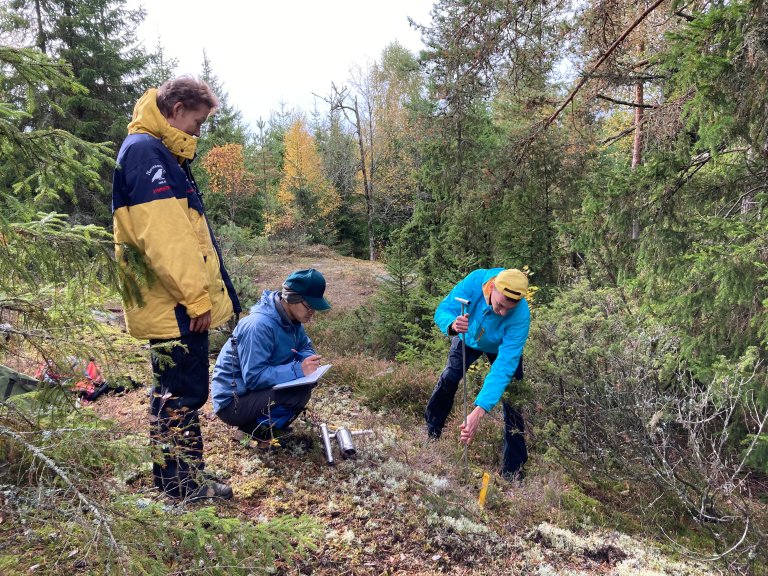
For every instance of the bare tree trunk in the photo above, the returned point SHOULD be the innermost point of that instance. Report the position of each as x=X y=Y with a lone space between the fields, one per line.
x=366 y=185
x=40 y=30
x=337 y=102
x=637 y=150
x=263 y=157
x=232 y=205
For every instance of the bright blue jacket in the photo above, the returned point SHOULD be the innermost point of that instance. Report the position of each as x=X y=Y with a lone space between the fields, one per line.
x=270 y=350
x=488 y=331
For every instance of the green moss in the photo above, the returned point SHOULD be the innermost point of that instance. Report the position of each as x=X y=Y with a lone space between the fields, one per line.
x=8 y=562
x=254 y=487
x=582 y=506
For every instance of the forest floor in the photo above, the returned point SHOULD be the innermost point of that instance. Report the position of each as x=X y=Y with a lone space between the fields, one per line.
x=403 y=504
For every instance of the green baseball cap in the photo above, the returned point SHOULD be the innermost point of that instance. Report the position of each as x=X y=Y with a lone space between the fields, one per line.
x=310 y=284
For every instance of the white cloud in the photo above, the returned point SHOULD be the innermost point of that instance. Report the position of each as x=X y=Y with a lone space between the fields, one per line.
x=268 y=51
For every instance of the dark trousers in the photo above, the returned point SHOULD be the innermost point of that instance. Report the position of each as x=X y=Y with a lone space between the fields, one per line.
x=515 y=452
x=259 y=410
x=180 y=391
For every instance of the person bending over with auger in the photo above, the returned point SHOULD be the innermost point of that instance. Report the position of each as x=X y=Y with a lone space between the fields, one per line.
x=489 y=312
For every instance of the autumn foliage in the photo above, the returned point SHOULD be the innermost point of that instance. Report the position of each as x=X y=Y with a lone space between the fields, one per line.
x=305 y=199
x=229 y=175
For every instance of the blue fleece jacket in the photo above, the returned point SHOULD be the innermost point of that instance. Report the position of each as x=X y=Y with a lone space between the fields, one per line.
x=270 y=350
x=488 y=331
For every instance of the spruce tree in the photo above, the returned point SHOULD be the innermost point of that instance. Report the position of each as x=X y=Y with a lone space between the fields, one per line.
x=95 y=37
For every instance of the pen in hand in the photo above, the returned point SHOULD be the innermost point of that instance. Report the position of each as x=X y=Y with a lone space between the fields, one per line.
x=310 y=364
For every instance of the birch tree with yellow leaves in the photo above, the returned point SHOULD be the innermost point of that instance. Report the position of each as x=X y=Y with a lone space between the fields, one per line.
x=306 y=201
x=395 y=83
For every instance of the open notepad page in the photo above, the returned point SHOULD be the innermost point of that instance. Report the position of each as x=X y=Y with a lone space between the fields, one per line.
x=311 y=379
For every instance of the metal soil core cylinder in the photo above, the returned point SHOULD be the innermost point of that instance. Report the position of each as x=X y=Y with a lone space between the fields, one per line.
x=344 y=438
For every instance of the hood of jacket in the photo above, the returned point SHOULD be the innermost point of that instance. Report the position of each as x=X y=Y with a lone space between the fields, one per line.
x=270 y=305
x=147 y=119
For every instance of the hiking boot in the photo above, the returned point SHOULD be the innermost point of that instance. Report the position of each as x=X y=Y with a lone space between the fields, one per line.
x=211 y=489
x=516 y=476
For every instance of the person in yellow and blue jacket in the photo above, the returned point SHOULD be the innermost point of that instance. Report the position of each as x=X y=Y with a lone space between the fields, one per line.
x=158 y=215
x=495 y=322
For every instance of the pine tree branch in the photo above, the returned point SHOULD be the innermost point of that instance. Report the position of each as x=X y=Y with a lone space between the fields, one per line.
x=53 y=466
x=624 y=102
x=749 y=193
x=697 y=163
x=684 y=16
x=7 y=329
x=600 y=61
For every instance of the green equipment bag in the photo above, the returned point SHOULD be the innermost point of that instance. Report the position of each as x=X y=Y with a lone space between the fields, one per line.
x=13 y=383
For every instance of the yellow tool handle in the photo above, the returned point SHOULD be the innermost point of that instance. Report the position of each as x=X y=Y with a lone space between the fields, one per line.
x=483 y=490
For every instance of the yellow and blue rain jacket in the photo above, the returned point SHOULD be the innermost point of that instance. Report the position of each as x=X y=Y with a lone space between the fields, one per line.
x=157 y=210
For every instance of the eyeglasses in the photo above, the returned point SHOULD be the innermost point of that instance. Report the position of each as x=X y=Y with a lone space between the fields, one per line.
x=308 y=307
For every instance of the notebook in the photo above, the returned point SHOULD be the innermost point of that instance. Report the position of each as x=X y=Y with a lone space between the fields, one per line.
x=305 y=380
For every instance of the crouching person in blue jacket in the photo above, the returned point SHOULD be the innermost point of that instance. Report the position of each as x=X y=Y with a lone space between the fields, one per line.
x=270 y=347
x=494 y=323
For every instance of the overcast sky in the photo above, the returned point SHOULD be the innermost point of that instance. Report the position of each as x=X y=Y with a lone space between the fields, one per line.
x=268 y=51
